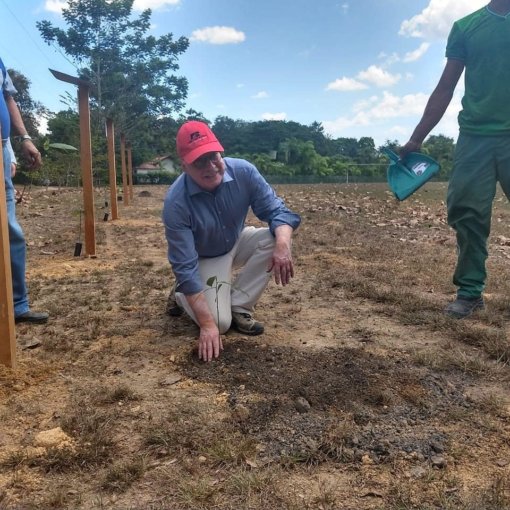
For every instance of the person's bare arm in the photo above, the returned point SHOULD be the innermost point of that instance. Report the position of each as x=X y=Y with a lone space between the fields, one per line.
x=209 y=341
x=30 y=152
x=281 y=262
x=436 y=106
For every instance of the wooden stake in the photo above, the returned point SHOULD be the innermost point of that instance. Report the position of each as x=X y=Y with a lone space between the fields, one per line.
x=130 y=171
x=7 y=331
x=86 y=170
x=110 y=135
x=125 y=190
x=85 y=157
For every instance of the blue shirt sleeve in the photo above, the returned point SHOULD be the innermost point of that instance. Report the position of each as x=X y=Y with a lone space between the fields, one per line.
x=8 y=145
x=201 y=224
x=182 y=255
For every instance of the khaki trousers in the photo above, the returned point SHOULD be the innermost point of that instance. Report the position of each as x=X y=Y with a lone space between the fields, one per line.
x=251 y=254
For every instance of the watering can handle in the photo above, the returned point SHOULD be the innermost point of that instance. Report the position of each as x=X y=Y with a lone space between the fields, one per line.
x=391 y=154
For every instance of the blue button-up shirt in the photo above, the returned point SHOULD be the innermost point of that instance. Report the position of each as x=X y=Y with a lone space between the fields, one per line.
x=199 y=223
x=7 y=88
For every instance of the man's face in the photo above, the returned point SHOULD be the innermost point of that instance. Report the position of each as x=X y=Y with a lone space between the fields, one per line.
x=207 y=171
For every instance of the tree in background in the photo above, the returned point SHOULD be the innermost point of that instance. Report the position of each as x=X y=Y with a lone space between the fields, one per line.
x=441 y=148
x=126 y=66
x=33 y=113
x=132 y=73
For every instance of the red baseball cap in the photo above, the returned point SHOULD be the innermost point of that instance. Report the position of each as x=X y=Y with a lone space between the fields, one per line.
x=195 y=139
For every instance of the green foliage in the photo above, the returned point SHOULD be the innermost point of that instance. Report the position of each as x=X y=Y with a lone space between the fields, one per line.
x=131 y=72
x=441 y=148
x=31 y=111
x=157 y=177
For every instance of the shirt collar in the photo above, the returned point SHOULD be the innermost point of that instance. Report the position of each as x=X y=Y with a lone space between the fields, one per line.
x=504 y=16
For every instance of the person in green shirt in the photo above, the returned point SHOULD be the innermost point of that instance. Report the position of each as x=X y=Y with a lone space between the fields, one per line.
x=478 y=44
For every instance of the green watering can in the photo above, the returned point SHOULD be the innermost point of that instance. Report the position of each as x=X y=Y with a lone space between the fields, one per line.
x=408 y=175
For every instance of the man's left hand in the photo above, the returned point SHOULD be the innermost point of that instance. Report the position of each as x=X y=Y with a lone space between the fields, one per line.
x=281 y=264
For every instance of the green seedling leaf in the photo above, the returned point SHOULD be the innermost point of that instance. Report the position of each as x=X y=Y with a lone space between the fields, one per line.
x=211 y=281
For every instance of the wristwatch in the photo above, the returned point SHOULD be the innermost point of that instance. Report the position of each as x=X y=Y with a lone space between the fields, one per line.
x=25 y=137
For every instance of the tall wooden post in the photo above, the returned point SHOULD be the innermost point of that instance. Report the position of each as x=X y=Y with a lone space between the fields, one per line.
x=85 y=158
x=7 y=331
x=110 y=136
x=130 y=171
x=125 y=190
x=86 y=170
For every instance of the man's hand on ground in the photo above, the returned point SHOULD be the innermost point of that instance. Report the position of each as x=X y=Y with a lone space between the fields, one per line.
x=281 y=264
x=209 y=344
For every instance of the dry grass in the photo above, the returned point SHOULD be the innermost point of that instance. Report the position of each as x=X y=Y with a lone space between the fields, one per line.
x=360 y=334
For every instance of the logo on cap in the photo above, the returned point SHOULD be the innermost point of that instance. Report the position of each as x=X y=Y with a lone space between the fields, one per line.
x=195 y=136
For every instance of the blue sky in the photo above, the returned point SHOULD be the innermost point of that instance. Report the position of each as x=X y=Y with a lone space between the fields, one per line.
x=360 y=67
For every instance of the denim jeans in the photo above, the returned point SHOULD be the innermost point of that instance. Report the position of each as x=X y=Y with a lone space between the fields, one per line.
x=16 y=241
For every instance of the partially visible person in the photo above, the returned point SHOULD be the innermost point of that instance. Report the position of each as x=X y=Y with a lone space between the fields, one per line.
x=11 y=116
x=479 y=44
x=204 y=216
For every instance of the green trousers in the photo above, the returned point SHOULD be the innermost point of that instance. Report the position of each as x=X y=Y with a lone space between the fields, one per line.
x=480 y=162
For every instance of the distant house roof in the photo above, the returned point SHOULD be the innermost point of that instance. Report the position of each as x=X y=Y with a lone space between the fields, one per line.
x=154 y=164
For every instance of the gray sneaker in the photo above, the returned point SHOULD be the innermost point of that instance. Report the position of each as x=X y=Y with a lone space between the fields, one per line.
x=463 y=307
x=245 y=323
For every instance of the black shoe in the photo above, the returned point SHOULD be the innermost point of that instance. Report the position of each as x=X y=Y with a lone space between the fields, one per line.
x=245 y=323
x=463 y=307
x=32 y=317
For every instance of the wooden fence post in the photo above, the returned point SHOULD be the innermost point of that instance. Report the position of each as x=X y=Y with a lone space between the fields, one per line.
x=110 y=136
x=125 y=185
x=130 y=171
x=85 y=158
x=7 y=330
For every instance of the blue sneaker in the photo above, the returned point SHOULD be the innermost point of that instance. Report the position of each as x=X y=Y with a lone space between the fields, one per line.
x=463 y=307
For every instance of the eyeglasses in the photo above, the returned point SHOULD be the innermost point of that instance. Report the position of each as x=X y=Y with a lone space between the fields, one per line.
x=203 y=161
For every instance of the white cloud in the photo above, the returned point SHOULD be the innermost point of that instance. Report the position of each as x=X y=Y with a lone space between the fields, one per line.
x=141 y=5
x=260 y=95
x=55 y=5
x=392 y=106
x=274 y=116
x=412 y=56
x=346 y=85
x=218 y=35
x=383 y=111
x=240 y=85
x=378 y=77
x=364 y=104
x=378 y=110
x=435 y=21
x=388 y=59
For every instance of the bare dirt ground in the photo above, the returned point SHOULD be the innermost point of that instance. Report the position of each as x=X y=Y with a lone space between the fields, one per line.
x=360 y=395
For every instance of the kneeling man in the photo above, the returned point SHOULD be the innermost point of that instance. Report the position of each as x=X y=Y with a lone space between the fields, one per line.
x=204 y=215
